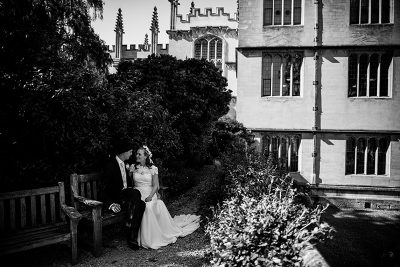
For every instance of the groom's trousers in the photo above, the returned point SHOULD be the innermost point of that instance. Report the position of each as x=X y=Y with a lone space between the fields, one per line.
x=132 y=203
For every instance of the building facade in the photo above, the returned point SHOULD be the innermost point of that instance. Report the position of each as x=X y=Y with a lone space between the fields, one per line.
x=318 y=83
x=119 y=51
x=203 y=35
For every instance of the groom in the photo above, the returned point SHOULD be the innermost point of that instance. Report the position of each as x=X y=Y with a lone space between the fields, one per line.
x=119 y=193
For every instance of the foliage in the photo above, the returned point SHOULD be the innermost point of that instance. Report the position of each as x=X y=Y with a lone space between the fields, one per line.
x=52 y=76
x=228 y=135
x=262 y=222
x=192 y=91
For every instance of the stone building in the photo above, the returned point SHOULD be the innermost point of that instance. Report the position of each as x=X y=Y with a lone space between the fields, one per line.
x=318 y=84
x=119 y=51
x=209 y=35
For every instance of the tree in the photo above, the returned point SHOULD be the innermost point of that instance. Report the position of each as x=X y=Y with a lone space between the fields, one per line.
x=192 y=91
x=52 y=77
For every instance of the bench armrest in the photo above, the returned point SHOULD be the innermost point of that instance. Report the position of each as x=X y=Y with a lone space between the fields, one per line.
x=88 y=202
x=71 y=212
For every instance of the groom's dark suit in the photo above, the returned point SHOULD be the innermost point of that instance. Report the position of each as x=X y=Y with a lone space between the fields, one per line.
x=129 y=198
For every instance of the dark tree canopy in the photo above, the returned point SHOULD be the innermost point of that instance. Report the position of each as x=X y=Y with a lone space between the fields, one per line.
x=193 y=91
x=52 y=80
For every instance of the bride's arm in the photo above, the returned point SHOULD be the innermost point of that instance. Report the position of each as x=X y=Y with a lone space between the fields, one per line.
x=155 y=184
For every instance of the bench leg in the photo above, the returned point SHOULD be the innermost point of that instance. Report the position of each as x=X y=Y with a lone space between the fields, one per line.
x=97 y=232
x=74 y=241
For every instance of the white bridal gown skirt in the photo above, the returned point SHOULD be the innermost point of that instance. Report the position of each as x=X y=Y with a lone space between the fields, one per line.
x=158 y=228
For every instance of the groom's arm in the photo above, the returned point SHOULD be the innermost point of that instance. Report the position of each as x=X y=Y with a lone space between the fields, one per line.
x=111 y=193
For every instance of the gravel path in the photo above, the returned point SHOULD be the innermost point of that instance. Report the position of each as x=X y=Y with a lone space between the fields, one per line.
x=187 y=251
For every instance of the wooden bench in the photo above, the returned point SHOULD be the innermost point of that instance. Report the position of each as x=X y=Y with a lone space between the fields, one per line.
x=35 y=218
x=86 y=196
x=85 y=193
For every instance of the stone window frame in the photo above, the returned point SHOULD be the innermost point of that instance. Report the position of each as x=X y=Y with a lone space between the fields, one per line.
x=367 y=155
x=273 y=15
x=362 y=12
x=289 y=63
x=205 y=48
x=287 y=149
x=362 y=75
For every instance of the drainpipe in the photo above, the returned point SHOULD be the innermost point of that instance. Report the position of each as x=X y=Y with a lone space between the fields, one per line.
x=316 y=83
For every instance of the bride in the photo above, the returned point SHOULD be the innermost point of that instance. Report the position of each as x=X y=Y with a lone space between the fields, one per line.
x=158 y=228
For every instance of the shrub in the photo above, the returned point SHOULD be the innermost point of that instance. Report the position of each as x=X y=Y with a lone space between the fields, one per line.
x=264 y=220
x=270 y=231
x=228 y=136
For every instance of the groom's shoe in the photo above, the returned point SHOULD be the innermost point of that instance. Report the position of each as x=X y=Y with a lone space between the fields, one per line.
x=133 y=244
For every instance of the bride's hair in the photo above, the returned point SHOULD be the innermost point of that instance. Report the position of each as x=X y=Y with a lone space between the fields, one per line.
x=148 y=154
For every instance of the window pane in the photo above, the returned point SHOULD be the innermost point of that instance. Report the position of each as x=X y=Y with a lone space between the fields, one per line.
x=297 y=60
x=386 y=59
x=268 y=12
x=294 y=153
x=211 y=55
x=284 y=155
x=360 y=155
x=364 y=11
x=266 y=141
x=276 y=78
x=363 y=75
x=219 y=49
x=286 y=75
x=219 y=65
x=371 y=156
x=350 y=155
x=374 y=11
x=197 y=50
x=385 y=11
x=354 y=11
x=278 y=12
x=275 y=146
x=204 y=49
x=373 y=74
x=297 y=12
x=353 y=75
x=382 y=151
x=266 y=72
x=287 y=15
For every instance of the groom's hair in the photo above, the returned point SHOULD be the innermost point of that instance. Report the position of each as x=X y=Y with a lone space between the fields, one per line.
x=121 y=145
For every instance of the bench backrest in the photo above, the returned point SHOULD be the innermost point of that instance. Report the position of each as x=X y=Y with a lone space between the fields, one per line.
x=86 y=185
x=26 y=209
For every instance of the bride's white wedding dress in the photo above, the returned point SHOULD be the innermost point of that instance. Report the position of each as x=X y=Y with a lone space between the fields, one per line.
x=158 y=228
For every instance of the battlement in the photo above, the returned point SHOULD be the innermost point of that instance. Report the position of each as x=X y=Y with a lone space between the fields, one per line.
x=138 y=48
x=207 y=13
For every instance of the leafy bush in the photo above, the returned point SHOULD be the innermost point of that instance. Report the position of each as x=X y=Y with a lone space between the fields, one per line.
x=228 y=136
x=263 y=221
x=192 y=91
x=270 y=231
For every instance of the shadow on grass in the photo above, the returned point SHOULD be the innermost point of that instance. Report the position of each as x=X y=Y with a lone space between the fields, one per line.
x=362 y=238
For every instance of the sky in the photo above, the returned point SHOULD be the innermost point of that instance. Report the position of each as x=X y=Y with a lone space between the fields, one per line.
x=137 y=16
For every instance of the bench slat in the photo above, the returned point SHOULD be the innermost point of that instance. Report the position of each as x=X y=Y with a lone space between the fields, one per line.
x=28 y=193
x=33 y=210
x=12 y=214
x=43 y=208
x=52 y=208
x=83 y=178
x=22 y=206
x=1 y=216
x=62 y=200
x=30 y=244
